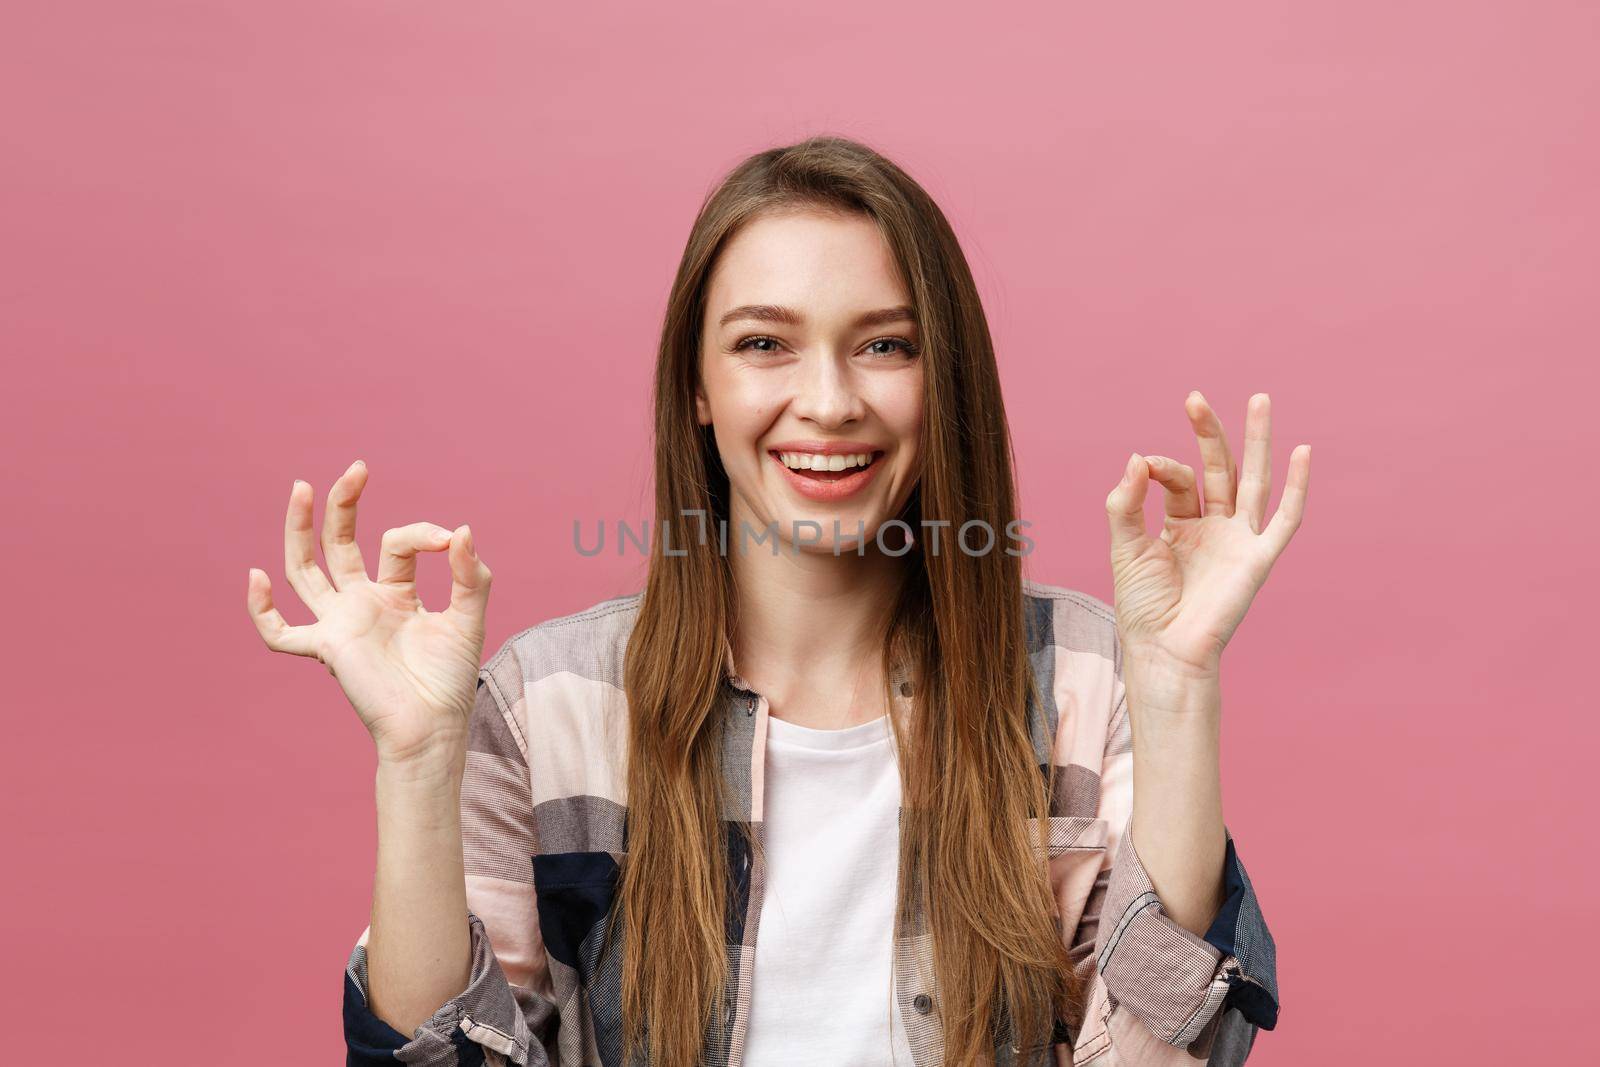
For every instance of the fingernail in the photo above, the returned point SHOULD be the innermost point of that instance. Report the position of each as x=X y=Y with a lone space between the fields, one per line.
x=466 y=536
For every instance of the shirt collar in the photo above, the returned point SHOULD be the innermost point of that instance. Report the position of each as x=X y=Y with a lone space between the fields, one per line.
x=728 y=671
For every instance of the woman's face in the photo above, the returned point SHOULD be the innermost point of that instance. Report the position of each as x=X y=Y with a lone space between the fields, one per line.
x=811 y=378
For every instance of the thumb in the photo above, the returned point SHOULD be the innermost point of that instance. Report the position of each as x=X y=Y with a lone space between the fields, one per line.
x=1125 y=504
x=469 y=581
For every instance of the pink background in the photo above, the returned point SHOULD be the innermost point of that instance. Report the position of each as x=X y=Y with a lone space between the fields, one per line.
x=249 y=242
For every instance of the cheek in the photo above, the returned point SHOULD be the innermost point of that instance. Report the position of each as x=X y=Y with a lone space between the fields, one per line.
x=740 y=412
x=726 y=395
x=899 y=404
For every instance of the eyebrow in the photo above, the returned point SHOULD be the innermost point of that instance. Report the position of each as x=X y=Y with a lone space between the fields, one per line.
x=790 y=317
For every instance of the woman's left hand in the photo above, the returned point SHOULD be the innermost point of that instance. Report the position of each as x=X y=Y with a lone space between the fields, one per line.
x=1180 y=596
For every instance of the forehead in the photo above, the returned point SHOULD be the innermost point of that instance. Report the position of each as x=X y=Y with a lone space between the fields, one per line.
x=806 y=259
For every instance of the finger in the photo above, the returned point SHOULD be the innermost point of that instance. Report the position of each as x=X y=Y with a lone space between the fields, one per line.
x=1286 y=520
x=278 y=634
x=1125 y=504
x=469 y=582
x=1220 y=475
x=339 y=546
x=300 y=553
x=1182 y=499
x=397 y=558
x=1255 y=480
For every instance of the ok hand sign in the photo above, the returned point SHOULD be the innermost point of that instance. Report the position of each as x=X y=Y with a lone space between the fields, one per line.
x=411 y=674
x=1181 y=595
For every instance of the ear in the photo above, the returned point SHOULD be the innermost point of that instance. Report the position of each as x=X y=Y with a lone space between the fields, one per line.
x=702 y=409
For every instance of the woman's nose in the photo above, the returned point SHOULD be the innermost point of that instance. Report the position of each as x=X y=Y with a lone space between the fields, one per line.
x=825 y=391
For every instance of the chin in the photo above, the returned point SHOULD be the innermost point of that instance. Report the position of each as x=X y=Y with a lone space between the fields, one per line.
x=853 y=529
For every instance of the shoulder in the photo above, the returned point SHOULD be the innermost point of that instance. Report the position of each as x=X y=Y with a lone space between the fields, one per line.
x=1071 y=621
x=1077 y=665
x=560 y=687
x=590 y=644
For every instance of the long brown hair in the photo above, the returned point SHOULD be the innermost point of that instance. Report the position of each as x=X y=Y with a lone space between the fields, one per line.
x=973 y=829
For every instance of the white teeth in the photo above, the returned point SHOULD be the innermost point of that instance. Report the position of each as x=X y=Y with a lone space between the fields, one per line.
x=807 y=461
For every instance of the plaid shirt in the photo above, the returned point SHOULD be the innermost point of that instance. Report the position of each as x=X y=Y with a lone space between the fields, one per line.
x=544 y=806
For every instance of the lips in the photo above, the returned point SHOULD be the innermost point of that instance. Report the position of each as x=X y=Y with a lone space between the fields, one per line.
x=827 y=486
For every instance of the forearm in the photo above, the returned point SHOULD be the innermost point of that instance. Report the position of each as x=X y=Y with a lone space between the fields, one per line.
x=419 y=948
x=1177 y=822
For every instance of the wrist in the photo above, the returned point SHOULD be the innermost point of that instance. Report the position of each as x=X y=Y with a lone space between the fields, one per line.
x=1156 y=658
x=1157 y=682
x=441 y=763
x=426 y=748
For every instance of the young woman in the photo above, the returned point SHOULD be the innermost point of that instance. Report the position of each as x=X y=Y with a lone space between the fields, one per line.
x=838 y=786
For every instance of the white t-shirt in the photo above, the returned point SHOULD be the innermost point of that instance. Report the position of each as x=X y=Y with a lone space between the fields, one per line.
x=822 y=991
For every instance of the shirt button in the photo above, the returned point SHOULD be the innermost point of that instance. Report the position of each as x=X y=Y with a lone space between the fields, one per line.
x=923 y=1003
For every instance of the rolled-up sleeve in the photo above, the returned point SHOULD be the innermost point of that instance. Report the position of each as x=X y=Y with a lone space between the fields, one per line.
x=488 y=1014
x=506 y=1014
x=1175 y=981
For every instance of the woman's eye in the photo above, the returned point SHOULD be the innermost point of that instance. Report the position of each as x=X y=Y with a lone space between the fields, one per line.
x=897 y=345
x=758 y=344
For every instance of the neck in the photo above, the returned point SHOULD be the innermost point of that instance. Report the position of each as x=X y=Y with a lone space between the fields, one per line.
x=810 y=629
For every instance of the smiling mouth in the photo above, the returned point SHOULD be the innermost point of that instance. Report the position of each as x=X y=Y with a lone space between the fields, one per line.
x=820 y=468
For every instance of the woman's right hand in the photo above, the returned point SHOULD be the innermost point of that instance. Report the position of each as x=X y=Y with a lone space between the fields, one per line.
x=411 y=674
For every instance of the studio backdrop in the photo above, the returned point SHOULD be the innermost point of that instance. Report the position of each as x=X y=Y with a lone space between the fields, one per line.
x=245 y=243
